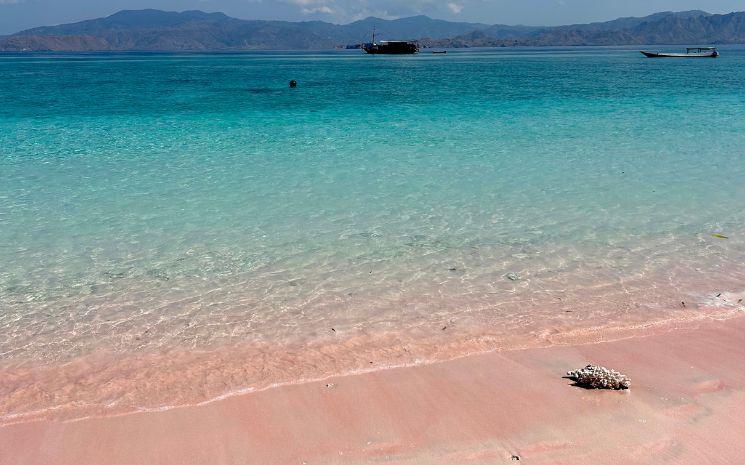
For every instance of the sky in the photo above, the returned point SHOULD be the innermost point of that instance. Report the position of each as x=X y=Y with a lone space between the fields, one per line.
x=16 y=15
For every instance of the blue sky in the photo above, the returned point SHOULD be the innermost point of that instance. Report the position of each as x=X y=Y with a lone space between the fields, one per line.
x=21 y=14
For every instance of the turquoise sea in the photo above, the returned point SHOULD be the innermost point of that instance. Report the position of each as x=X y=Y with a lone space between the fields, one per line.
x=178 y=227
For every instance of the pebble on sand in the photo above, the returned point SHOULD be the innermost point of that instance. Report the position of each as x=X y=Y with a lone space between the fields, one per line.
x=513 y=276
x=597 y=377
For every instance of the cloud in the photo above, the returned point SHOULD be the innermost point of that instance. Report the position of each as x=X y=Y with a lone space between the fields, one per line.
x=314 y=7
x=455 y=8
x=318 y=10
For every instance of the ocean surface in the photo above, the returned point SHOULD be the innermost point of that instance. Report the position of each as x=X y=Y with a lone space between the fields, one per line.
x=177 y=228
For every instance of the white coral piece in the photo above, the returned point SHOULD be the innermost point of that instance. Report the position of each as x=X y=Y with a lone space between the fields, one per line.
x=597 y=377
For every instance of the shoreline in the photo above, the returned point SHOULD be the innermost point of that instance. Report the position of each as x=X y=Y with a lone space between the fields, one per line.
x=724 y=310
x=476 y=409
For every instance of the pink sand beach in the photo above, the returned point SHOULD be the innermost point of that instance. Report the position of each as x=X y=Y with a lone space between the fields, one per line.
x=686 y=406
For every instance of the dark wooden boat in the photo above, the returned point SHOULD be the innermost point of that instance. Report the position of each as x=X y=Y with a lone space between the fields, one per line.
x=390 y=47
x=691 y=52
x=439 y=52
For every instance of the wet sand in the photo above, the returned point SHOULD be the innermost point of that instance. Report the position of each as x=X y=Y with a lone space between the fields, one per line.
x=686 y=406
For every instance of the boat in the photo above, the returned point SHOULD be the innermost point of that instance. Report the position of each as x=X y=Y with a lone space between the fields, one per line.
x=439 y=52
x=691 y=52
x=390 y=47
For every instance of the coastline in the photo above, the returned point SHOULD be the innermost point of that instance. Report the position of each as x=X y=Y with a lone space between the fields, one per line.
x=105 y=385
x=686 y=405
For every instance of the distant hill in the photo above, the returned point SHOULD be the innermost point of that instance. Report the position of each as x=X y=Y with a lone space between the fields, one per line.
x=411 y=28
x=196 y=30
x=155 y=30
x=689 y=27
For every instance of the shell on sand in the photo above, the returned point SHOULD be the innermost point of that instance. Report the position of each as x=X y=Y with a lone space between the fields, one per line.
x=597 y=377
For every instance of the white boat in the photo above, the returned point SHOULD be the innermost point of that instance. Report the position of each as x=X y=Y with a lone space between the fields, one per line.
x=691 y=52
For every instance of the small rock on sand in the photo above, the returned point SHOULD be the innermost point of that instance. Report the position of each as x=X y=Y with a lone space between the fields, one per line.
x=597 y=377
x=513 y=276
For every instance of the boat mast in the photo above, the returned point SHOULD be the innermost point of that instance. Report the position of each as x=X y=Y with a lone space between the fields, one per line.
x=373 y=37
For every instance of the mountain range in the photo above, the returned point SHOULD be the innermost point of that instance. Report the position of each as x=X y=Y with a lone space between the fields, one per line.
x=155 y=30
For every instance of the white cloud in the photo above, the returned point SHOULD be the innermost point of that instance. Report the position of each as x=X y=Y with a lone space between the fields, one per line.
x=318 y=10
x=314 y=7
x=455 y=8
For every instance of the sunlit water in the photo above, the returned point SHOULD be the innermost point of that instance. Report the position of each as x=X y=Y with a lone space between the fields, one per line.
x=174 y=228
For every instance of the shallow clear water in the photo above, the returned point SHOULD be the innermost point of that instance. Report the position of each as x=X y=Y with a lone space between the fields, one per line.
x=154 y=204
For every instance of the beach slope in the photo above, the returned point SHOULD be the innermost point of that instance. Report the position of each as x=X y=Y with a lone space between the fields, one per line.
x=686 y=406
